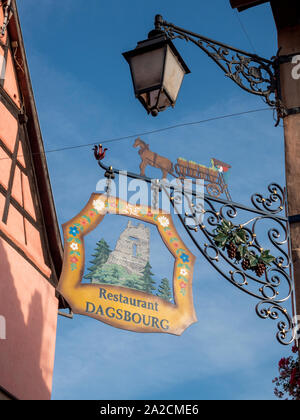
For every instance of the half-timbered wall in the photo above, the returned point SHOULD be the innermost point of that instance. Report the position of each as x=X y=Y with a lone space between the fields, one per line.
x=27 y=295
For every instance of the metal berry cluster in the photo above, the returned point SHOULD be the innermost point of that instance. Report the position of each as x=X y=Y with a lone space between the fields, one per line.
x=235 y=240
x=288 y=383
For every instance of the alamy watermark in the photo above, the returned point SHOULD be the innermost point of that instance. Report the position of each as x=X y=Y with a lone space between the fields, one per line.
x=157 y=193
x=2 y=328
x=296 y=327
x=296 y=68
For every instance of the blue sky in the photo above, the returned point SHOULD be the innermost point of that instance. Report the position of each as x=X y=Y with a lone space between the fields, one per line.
x=84 y=94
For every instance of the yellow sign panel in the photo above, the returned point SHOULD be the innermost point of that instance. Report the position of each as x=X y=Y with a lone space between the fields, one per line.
x=119 y=306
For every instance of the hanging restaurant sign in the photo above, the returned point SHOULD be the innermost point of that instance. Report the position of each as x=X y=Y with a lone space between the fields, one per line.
x=126 y=307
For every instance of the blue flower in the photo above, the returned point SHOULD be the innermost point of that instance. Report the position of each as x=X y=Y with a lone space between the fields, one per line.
x=73 y=231
x=184 y=257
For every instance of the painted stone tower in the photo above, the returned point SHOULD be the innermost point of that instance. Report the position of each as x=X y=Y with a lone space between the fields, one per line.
x=133 y=249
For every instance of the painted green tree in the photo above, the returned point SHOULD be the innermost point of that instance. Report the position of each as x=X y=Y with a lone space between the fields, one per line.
x=133 y=281
x=100 y=255
x=118 y=276
x=164 y=290
x=147 y=281
x=109 y=274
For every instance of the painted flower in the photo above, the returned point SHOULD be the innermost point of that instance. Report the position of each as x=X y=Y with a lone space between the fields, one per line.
x=83 y=221
x=91 y=213
x=164 y=221
x=176 y=245
x=183 y=285
x=98 y=205
x=74 y=246
x=149 y=214
x=184 y=272
x=73 y=231
x=133 y=210
x=185 y=257
x=170 y=233
x=74 y=260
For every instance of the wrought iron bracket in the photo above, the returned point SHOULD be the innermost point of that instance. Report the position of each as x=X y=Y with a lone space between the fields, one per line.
x=291 y=111
x=283 y=59
x=254 y=74
x=294 y=219
x=276 y=288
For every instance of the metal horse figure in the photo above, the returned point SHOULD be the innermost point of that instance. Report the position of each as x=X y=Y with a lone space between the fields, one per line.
x=153 y=159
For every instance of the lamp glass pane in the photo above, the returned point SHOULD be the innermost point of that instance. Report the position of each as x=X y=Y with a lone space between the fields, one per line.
x=155 y=100
x=164 y=102
x=150 y=98
x=147 y=69
x=173 y=76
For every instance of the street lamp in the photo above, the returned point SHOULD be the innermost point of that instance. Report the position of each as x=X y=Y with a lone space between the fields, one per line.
x=157 y=71
x=157 y=68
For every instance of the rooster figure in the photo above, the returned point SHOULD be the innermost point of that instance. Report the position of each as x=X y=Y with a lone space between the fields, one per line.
x=99 y=152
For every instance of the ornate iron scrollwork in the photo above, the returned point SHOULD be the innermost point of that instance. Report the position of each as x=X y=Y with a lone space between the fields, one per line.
x=272 y=291
x=253 y=73
x=268 y=291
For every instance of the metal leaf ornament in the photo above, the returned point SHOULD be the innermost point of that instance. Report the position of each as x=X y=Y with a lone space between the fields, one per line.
x=235 y=240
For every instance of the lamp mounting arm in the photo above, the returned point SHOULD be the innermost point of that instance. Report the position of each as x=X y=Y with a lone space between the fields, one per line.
x=253 y=73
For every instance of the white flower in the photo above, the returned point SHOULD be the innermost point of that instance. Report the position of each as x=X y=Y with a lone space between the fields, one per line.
x=133 y=210
x=74 y=246
x=184 y=272
x=98 y=205
x=164 y=221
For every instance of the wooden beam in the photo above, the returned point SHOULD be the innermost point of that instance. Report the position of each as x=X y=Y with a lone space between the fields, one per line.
x=11 y=179
x=8 y=102
x=13 y=202
x=245 y=4
x=286 y=14
x=10 y=156
x=5 y=50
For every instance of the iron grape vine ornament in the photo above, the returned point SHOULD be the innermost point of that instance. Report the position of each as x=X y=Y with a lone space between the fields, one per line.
x=236 y=240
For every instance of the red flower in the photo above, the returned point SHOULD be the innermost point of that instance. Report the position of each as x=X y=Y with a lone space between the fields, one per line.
x=293 y=377
x=176 y=245
x=183 y=285
x=295 y=349
x=73 y=260
x=91 y=213
x=83 y=222
x=149 y=214
x=283 y=363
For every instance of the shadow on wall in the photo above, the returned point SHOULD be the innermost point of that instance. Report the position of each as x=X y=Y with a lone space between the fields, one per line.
x=20 y=353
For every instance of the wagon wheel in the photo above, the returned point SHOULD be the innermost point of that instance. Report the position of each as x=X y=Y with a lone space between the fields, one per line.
x=213 y=190
x=180 y=170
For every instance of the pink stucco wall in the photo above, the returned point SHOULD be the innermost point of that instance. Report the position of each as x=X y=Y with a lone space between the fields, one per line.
x=29 y=305
x=27 y=299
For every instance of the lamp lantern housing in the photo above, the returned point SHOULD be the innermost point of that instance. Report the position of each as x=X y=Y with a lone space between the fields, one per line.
x=157 y=71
